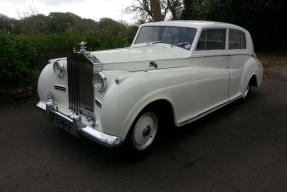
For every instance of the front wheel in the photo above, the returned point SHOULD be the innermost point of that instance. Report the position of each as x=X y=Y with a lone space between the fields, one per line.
x=143 y=132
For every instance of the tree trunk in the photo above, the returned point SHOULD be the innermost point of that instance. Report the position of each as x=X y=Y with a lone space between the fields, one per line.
x=156 y=10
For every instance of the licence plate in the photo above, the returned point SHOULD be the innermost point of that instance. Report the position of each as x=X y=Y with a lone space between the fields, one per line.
x=63 y=123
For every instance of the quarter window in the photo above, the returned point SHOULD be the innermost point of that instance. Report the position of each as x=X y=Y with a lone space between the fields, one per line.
x=212 y=39
x=243 y=41
x=236 y=39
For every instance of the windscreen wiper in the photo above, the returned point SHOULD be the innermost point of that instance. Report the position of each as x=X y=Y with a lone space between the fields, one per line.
x=155 y=42
x=184 y=45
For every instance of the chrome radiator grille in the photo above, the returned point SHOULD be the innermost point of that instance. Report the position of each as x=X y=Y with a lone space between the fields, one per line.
x=80 y=86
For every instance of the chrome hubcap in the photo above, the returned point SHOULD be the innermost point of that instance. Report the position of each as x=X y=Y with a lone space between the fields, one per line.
x=145 y=130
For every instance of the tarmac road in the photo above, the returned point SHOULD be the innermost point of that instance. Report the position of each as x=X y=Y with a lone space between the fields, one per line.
x=242 y=147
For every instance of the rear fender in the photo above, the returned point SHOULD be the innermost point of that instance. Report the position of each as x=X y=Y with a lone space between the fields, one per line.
x=253 y=67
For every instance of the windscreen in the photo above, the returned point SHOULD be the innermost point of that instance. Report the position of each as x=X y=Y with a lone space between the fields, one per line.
x=179 y=36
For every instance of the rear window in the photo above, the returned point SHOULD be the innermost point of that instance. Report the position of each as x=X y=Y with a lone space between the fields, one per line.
x=237 y=39
x=212 y=39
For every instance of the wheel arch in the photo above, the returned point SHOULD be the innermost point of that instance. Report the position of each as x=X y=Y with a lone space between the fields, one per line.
x=253 y=81
x=163 y=106
x=252 y=72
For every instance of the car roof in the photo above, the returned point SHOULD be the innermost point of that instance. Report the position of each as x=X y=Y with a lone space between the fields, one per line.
x=195 y=24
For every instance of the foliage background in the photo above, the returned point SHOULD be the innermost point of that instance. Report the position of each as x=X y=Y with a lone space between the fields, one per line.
x=264 y=19
x=26 y=45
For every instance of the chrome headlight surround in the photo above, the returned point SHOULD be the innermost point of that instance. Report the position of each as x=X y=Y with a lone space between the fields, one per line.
x=100 y=81
x=59 y=69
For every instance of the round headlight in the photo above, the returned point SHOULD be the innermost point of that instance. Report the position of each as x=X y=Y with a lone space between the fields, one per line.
x=59 y=69
x=100 y=81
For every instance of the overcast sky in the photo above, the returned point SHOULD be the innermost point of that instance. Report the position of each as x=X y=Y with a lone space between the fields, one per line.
x=93 y=9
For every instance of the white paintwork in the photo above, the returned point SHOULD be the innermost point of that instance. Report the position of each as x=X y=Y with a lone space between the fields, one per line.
x=136 y=54
x=193 y=82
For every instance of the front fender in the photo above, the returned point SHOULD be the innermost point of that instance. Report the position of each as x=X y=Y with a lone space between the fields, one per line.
x=48 y=79
x=123 y=101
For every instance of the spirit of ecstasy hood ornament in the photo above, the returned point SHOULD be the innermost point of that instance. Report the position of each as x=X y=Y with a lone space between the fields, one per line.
x=98 y=66
x=83 y=46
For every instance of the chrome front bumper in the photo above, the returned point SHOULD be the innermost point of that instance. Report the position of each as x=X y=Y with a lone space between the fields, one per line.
x=78 y=127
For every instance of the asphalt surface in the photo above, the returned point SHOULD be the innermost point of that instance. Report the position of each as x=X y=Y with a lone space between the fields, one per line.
x=242 y=147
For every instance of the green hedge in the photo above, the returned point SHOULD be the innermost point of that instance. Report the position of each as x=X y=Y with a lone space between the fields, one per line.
x=16 y=60
x=23 y=56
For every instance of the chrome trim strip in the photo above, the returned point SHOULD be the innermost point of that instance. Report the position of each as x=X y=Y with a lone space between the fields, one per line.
x=226 y=52
x=91 y=133
x=98 y=103
x=60 y=87
x=207 y=112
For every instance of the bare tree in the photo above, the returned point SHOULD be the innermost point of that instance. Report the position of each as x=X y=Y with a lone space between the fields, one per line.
x=155 y=10
x=175 y=7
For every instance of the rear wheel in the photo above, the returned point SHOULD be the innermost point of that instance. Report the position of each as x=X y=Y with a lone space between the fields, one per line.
x=247 y=91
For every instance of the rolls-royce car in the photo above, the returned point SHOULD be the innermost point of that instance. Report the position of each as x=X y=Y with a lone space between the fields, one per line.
x=174 y=72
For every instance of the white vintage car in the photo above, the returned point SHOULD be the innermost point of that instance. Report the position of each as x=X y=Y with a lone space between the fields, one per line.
x=176 y=72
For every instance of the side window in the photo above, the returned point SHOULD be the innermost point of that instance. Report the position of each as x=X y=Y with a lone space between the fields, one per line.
x=215 y=39
x=243 y=40
x=236 y=39
x=201 y=45
x=212 y=39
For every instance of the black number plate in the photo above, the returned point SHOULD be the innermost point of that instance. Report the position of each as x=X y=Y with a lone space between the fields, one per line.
x=63 y=123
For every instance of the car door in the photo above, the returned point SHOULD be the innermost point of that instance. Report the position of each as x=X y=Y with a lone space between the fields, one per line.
x=212 y=78
x=237 y=57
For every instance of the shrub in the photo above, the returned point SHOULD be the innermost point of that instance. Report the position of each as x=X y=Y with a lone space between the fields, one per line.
x=25 y=53
x=16 y=60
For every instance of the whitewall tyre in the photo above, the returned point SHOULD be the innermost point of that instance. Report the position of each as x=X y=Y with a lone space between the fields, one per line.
x=143 y=132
